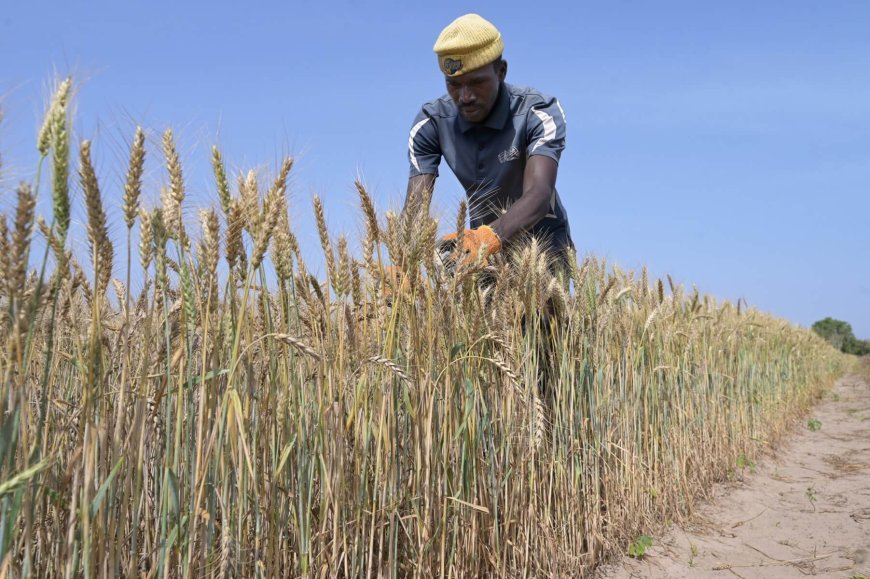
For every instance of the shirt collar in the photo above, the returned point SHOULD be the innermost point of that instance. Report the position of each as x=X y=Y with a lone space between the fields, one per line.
x=497 y=116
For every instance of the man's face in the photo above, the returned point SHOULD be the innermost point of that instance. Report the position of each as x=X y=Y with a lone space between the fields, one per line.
x=475 y=92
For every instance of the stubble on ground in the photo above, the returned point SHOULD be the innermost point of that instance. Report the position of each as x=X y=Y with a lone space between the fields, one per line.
x=804 y=512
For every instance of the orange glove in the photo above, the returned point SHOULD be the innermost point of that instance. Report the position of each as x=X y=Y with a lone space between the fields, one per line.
x=484 y=238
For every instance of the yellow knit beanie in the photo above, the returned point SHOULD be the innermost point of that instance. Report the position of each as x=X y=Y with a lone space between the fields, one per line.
x=467 y=43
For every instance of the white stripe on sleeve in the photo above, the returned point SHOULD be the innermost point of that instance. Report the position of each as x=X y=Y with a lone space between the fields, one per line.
x=414 y=130
x=549 y=128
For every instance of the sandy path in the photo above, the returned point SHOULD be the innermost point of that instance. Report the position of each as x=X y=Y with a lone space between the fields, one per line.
x=804 y=513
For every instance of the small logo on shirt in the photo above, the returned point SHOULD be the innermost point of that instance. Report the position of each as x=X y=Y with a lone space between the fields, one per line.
x=511 y=154
x=452 y=66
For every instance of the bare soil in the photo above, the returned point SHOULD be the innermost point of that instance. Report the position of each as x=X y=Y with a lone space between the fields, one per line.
x=804 y=512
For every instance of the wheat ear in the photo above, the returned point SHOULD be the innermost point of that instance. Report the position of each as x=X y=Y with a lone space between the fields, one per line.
x=60 y=168
x=460 y=229
x=133 y=184
x=210 y=252
x=272 y=211
x=58 y=103
x=323 y=232
x=21 y=239
x=373 y=231
x=4 y=255
x=173 y=199
x=235 y=248
x=282 y=243
x=146 y=239
x=392 y=366
x=298 y=344
x=102 y=251
x=220 y=176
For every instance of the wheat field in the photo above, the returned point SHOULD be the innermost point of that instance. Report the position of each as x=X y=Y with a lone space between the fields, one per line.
x=237 y=416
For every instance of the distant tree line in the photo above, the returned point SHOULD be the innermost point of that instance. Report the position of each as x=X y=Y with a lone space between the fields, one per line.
x=839 y=334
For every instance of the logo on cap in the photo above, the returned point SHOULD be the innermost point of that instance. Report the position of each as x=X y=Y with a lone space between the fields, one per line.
x=452 y=66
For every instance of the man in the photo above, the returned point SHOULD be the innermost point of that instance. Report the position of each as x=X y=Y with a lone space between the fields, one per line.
x=502 y=142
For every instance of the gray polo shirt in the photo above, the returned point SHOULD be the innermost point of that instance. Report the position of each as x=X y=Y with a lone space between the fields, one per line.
x=489 y=158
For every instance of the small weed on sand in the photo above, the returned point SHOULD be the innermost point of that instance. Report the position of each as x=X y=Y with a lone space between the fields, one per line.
x=638 y=547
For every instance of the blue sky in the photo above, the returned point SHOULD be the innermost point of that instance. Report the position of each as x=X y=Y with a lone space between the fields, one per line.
x=725 y=143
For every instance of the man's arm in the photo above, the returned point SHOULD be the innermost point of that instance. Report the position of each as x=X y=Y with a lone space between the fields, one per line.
x=424 y=156
x=539 y=183
x=416 y=186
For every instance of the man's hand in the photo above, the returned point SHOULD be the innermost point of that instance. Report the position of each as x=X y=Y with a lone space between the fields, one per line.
x=475 y=242
x=539 y=184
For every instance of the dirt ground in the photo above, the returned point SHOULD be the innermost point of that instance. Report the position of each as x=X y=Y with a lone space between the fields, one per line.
x=804 y=513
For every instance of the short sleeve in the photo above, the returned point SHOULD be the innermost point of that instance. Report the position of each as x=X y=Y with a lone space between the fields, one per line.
x=424 y=149
x=546 y=129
